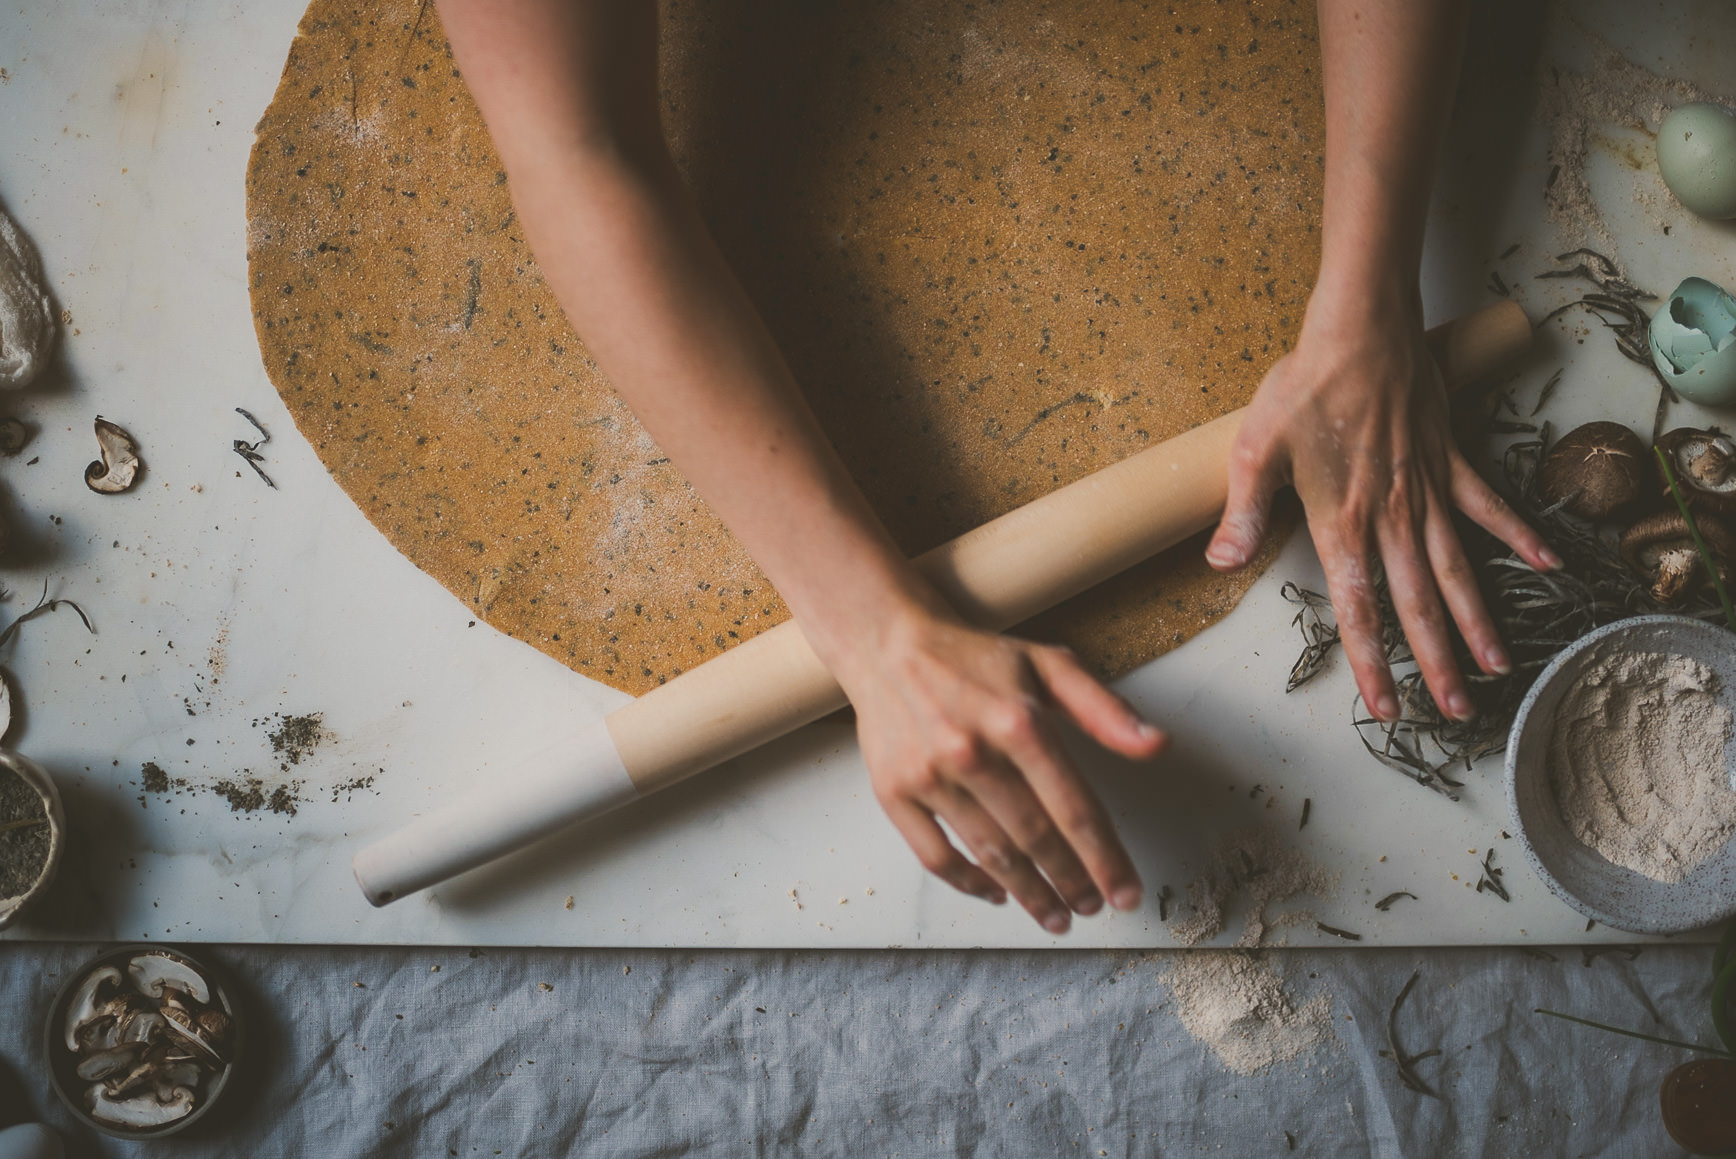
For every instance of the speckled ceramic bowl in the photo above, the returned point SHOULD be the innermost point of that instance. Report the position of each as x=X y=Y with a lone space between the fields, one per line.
x=1614 y=895
x=37 y=778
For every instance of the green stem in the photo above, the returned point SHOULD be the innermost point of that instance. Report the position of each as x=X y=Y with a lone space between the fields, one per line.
x=24 y=824
x=1718 y=1050
x=1700 y=544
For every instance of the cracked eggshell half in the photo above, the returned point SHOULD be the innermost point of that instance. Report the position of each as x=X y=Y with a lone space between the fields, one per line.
x=37 y=778
x=1693 y=340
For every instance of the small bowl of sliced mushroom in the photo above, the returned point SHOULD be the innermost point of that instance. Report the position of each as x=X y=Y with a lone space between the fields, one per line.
x=142 y=1042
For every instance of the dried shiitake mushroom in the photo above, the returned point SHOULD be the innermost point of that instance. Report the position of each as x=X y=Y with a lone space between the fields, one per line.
x=119 y=465
x=1599 y=471
x=1704 y=463
x=1661 y=548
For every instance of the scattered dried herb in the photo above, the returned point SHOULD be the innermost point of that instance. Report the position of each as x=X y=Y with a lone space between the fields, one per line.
x=250 y=451
x=295 y=737
x=154 y=779
x=1509 y=251
x=1590 y=954
x=1548 y=391
x=44 y=605
x=1290 y=1139
x=1404 y=1063
x=1385 y=903
x=1163 y=896
x=1701 y=1047
x=1319 y=633
x=1337 y=933
x=1497 y=285
x=1491 y=879
x=1307 y=808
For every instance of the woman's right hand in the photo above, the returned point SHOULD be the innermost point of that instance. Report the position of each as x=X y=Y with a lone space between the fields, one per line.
x=963 y=726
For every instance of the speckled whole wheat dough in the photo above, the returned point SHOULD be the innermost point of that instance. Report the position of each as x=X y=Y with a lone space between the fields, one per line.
x=1001 y=245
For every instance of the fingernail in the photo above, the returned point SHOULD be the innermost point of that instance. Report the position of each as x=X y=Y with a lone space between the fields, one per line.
x=1057 y=922
x=1498 y=662
x=1148 y=730
x=1223 y=555
x=994 y=896
x=1459 y=705
x=1386 y=707
x=1550 y=560
x=1088 y=905
x=1127 y=898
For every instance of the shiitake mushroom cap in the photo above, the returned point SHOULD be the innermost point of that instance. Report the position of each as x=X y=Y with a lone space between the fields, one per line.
x=1661 y=548
x=1601 y=470
x=1704 y=463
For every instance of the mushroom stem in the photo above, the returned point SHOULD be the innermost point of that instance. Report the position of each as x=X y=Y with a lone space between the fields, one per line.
x=1699 y=543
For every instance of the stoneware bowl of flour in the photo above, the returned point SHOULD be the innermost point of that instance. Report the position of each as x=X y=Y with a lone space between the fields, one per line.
x=1619 y=775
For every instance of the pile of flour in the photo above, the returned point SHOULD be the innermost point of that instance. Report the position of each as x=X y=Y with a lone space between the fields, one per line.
x=1238 y=1007
x=1636 y=763
x=1259 y=870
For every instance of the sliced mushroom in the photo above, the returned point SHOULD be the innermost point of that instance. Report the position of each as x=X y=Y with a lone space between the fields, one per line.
x=1704 y=463
x=1598 y=471
x=141 y=1111
x=142 y=1026
x=91 y=994
x=119 y=465
x=140 y=1076
x=214 y=1024
x=181 y=1026
x=157 y=974
x=174 y=1076
x=1661 y=548
x=106 y=1064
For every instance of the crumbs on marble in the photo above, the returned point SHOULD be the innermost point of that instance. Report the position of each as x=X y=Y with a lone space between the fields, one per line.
x=795 y=899
x=569 y=902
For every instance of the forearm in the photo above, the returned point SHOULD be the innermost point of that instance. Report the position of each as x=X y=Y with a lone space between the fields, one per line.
x=1390 y=69
x=639 y=277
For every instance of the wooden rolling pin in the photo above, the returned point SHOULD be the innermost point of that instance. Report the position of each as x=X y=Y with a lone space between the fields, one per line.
x=1004 y=572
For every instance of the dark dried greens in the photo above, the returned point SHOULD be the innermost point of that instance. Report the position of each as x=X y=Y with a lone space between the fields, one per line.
x=1404 y=1063
x=250 y=451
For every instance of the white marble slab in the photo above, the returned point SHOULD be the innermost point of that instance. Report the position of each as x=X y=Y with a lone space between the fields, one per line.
x=219 y=603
